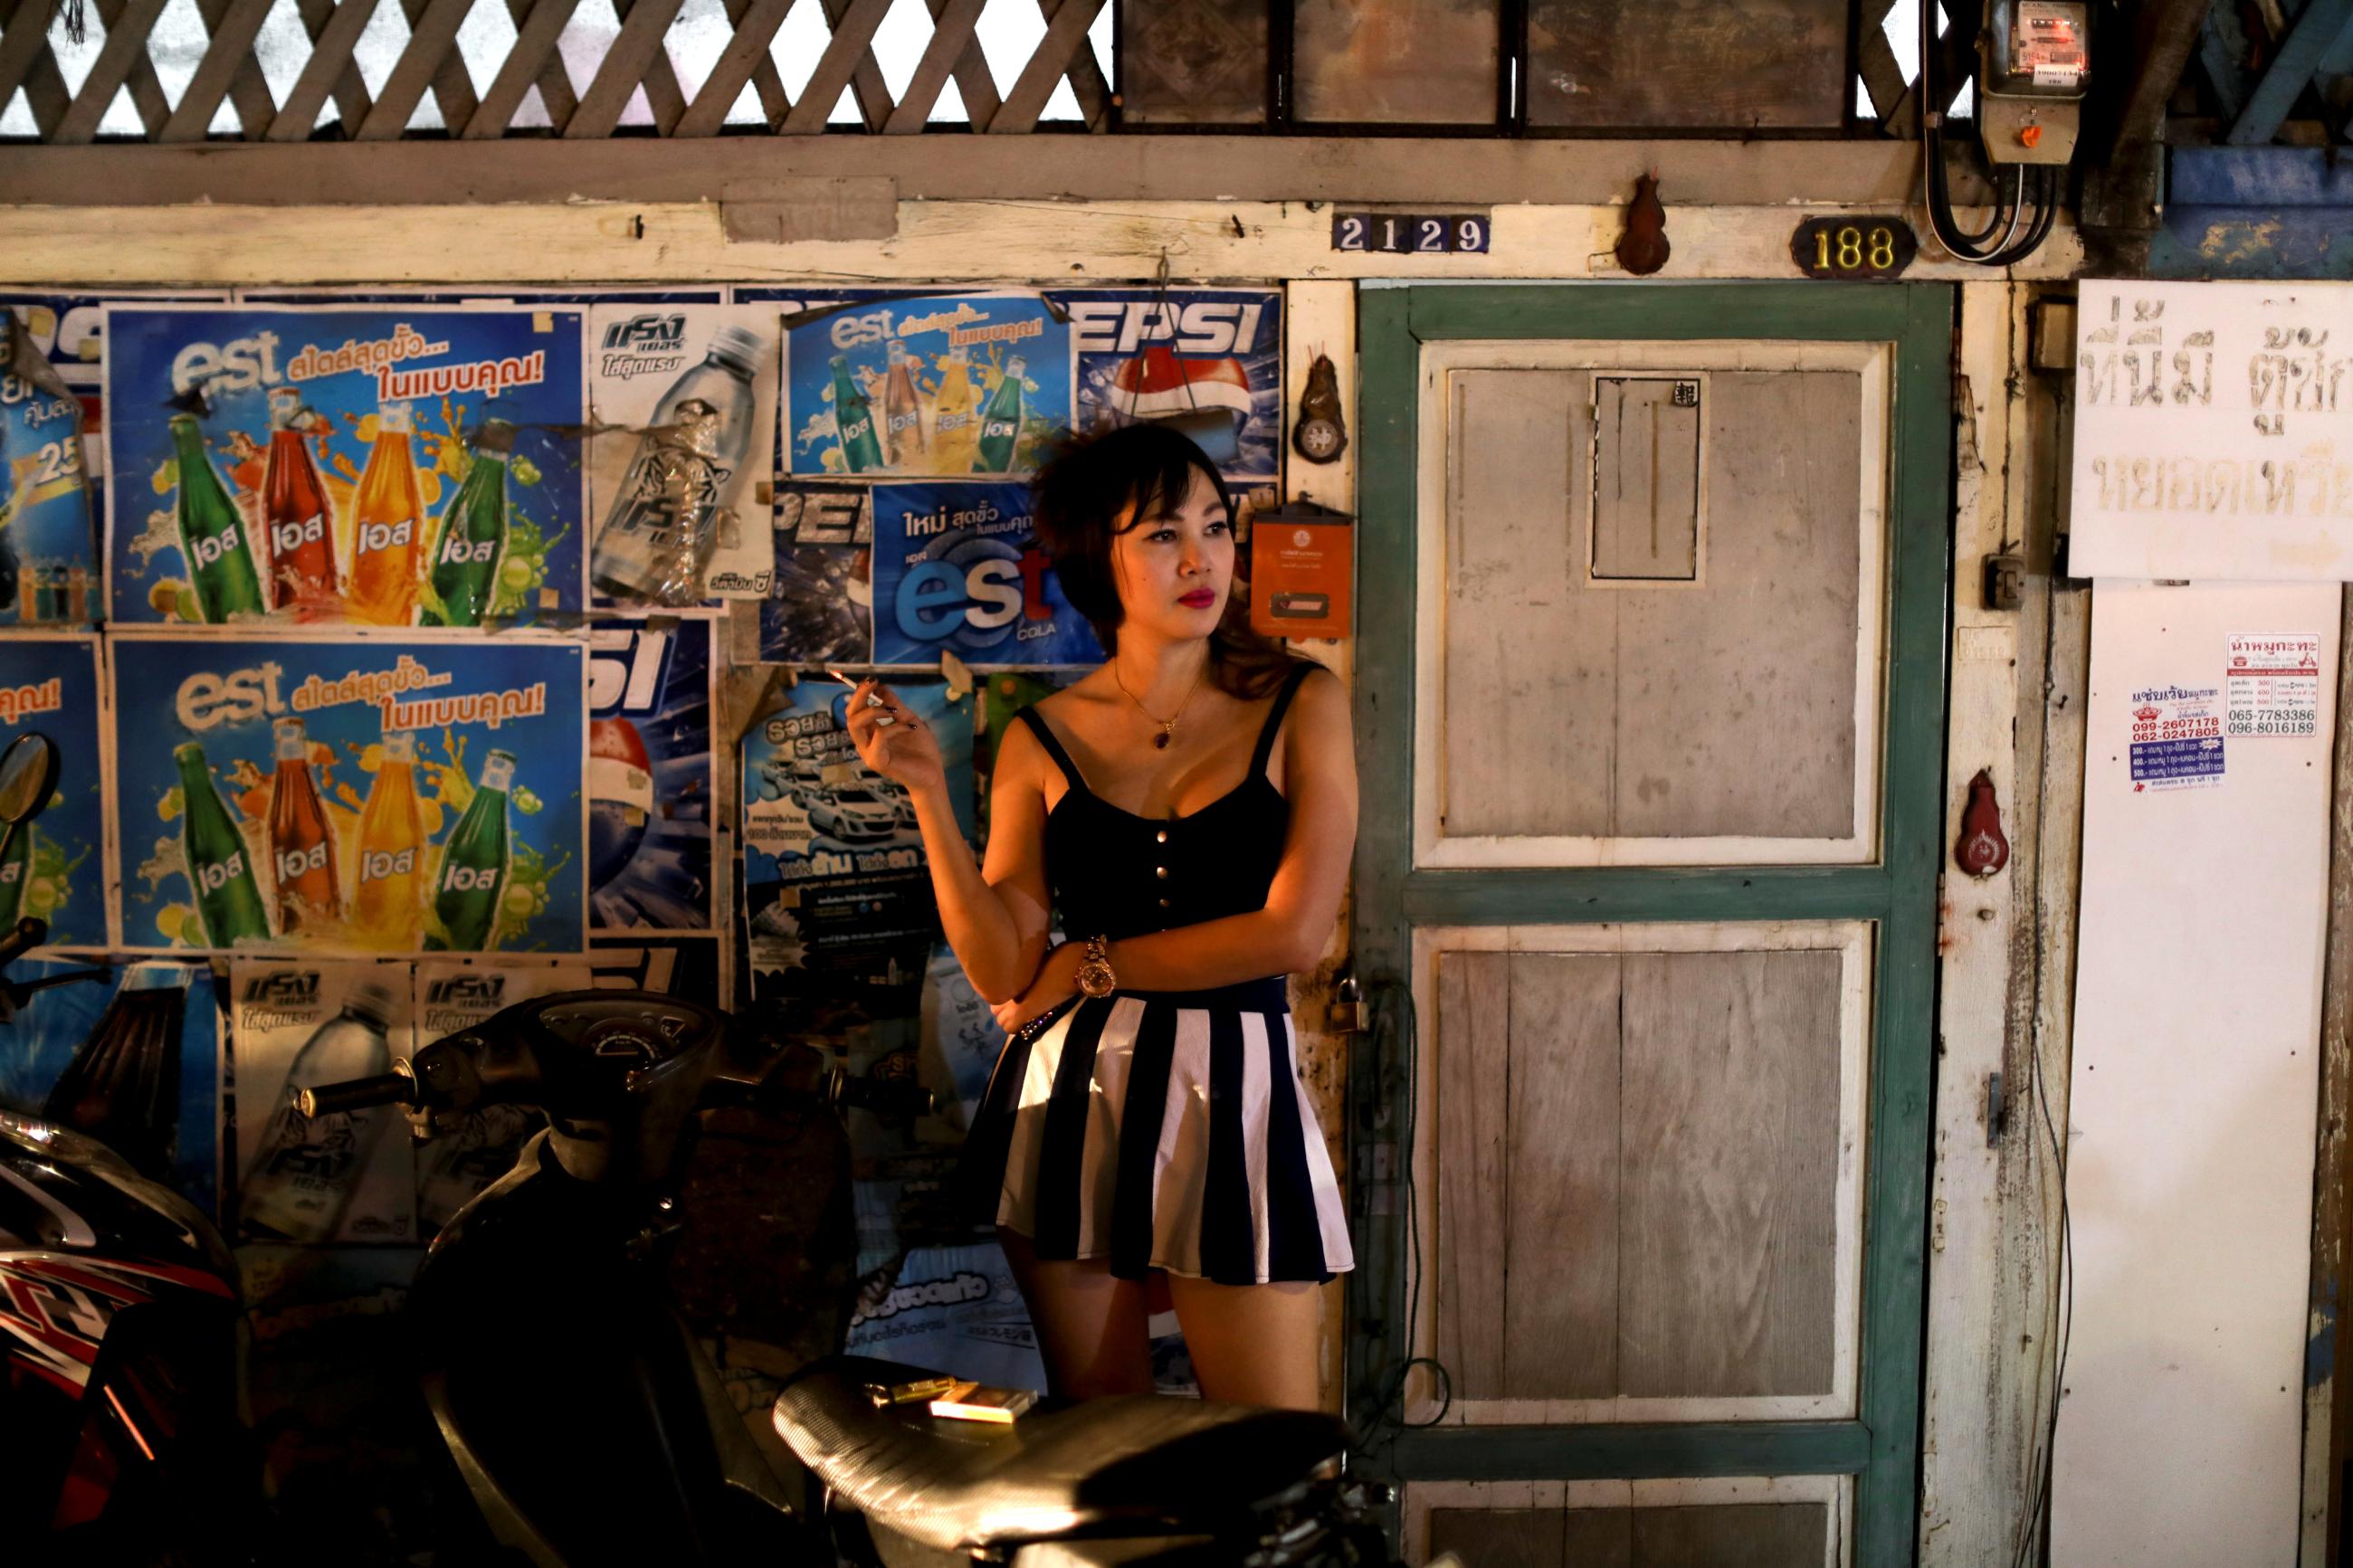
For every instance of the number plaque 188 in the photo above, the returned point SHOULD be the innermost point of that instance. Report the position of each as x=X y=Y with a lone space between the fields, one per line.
x=1853 y=246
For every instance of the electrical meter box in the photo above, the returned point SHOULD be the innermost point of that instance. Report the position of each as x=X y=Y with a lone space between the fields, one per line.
x=2034 y=64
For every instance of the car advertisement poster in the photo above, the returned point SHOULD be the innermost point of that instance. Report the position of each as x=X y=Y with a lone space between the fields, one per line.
x=130 y=1057
x=958 y=568
x=679 y=475
x=383 y=466
x=1207 y=361
x=54 y=866
x=834 y=874
x=649 y=775
x=944 y=384
x=341 y=1176
x=371 y=798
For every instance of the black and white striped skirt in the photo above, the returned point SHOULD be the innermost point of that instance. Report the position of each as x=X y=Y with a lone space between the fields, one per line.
x=1163 y=1130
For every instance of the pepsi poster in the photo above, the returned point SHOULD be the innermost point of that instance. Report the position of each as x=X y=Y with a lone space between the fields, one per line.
x=821 y=604
x=958 y=568
x=932 y=384
x=835 y=879
x=130 y=1057
x=353 y=797
x=1207 y=360
x=386 y=465
x=649 y=775
x=55 y=866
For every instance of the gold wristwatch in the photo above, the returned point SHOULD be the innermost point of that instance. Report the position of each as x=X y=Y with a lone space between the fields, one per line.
x=1095 y=978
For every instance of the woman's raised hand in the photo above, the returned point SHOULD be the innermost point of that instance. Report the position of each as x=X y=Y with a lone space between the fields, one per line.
x=891 y=739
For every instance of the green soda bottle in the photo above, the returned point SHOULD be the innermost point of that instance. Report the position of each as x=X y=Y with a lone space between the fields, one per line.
x=212 y=532
x=228 y=897
x=853 y=420
x=473 y=539
x=474 y=864
x=16 y=870
x=1000 y=422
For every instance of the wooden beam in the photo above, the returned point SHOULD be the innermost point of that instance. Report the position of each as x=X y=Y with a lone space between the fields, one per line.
x=330 y=56
x=1398 y=171
x=2317 y=31
x=533 y=52
x=123 y=51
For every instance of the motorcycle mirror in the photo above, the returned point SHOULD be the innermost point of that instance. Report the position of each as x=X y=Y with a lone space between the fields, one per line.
x=28 y=776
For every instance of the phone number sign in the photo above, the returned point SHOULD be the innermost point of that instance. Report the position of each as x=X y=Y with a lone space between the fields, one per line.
x=2272 y=684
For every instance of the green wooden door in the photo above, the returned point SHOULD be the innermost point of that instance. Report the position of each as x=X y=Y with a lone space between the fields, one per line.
x=1650 y=718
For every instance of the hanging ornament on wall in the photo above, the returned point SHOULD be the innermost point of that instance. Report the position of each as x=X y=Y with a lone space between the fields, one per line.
x=1320 y=434
x=1643 y=249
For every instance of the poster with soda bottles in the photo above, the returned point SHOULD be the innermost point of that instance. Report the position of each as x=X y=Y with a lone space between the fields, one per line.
x=934 y=385
x=67 y=332
x=344 y=1176
x=648 y=774
x=378 y=467
x=1207 y=361
x=55 y=865
x=131 y=1056
x=680 y=487
x=958 y=568
x=835 y=880
x=354 y=797
x=474 y=1148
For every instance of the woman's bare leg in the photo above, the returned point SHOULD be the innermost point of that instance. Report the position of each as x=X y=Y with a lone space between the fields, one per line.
x=1253 y=1344
x=1091 y=1324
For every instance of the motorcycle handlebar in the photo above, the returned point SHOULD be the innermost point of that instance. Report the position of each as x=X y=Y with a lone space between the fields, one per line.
x=883 y=1096
x=358 y=1094
x=27 y=934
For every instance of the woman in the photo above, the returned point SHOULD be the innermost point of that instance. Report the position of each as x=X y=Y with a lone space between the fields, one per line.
x=1190 y=810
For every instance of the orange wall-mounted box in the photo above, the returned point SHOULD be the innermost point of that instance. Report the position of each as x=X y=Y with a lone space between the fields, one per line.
x=1303 y=572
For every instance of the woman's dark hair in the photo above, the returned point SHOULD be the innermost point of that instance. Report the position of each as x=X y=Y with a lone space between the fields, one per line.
x=1078 y=499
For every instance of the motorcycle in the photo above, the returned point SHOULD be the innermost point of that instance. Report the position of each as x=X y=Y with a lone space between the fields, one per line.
x=119 y=1307
x=588 y=1425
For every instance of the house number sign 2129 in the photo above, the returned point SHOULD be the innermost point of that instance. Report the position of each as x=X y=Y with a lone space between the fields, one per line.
x=1410 y=234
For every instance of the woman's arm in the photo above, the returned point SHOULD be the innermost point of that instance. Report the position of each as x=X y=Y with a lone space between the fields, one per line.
x=996 y=917
x=1289 y=935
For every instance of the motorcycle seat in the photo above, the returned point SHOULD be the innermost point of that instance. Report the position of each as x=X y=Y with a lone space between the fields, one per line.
x=1065 y=1467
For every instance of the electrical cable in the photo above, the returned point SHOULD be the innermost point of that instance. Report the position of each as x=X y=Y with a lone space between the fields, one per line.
x=1392 y=1000
x=1937 y=198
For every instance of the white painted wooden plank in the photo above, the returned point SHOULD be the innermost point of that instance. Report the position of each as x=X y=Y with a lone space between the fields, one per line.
x=2195 y=1082
x=620 y=242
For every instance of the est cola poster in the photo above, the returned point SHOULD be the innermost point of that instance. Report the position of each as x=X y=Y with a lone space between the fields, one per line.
x=55 y=865
x=381 y=466
x=958 y=568
x=282 y=794
x=649 y=775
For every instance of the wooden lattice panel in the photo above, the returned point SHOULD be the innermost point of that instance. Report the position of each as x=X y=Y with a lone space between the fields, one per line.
x=657 y=65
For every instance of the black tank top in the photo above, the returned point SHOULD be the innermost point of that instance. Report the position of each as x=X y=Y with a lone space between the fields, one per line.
x=1116 y=874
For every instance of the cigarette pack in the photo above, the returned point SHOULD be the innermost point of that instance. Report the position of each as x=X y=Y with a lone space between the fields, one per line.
x=976 y=1402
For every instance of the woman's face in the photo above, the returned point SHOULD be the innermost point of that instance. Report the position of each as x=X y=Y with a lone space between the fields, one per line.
x=1175 y=567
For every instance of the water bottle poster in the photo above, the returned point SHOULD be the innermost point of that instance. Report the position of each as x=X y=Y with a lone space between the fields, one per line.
x=49 y=540
x=1207 y=361
x=383 y=466
x=649 y=775
x=833 y=873
x=820 y=606
x=939 y=385
x=344 y=1176
x=349 y=797
x=680 y=474
x=55 y=865
x=958 y=568
x=128 y=1056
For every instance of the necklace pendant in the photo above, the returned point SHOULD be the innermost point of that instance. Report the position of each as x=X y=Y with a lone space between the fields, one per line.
x=1161 y=741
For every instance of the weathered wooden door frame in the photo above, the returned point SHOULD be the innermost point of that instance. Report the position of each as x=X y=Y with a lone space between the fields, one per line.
x=1897 y=894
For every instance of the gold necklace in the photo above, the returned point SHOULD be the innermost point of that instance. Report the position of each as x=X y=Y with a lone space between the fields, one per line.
x=1168 y=725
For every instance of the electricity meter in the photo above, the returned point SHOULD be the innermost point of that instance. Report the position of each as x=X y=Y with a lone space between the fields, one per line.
x=2034 y=64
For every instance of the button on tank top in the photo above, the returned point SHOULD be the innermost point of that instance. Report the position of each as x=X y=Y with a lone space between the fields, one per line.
x=1116 y=874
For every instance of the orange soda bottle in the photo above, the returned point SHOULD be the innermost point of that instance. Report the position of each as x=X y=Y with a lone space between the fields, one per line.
x=388 y=526
x=388 y=903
